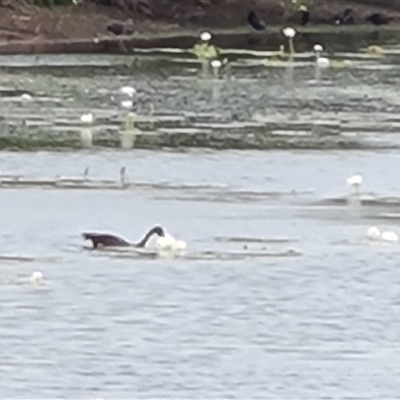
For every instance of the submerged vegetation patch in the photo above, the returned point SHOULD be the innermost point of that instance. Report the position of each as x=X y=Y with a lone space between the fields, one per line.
x=176 y=141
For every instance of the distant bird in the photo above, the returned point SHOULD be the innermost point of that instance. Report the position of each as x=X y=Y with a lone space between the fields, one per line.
x=130 y=91
x=87 y=118
x=305 y=18
x=255 y=22
x=107 y=240
x=36 y=278
x=26 y=96
x=378 y=19
x=116 y=28
x=304 y=15
x=346 y=19
x=168 y=243
x=375 y=234
x=165 y=243
x=355 y=183
x=126 y=103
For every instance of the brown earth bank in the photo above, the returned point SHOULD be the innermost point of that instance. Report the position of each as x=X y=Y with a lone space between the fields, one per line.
x=27 y=28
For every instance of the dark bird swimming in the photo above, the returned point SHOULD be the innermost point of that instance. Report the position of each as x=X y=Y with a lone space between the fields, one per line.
x=255 y=22
x=108 y=240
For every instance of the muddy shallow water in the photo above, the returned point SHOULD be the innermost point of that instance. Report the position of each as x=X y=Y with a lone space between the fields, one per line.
x=354 y=105
x=279 y=294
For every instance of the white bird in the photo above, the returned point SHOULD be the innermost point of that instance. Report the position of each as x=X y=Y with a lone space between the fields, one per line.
x=128 y=90
x=375 y=234
x=26 y=96
x=36 y=278
x=87 y=118
x=127 y=103
x=355 y=181
x=168 y=243
x=318 y=48
x=205 y=36
x=389 y=236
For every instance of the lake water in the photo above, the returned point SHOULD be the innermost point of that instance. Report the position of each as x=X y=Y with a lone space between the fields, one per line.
x=279 y=295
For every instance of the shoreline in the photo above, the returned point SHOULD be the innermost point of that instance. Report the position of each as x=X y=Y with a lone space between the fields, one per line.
x=240 y=38
x=92 y=28
x=187 y=142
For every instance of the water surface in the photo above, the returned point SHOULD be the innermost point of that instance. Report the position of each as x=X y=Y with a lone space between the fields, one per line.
x=315 y=317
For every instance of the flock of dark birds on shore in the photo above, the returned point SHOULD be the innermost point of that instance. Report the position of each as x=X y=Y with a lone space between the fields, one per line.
x=345 y=18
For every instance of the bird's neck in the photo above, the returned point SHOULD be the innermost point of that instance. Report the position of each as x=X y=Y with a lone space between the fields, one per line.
x=145 y=239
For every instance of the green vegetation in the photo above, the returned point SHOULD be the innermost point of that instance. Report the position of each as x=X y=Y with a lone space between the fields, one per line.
x=295 y=5
x=205 y=51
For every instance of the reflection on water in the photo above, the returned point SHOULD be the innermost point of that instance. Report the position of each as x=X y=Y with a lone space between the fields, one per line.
x=279 y=295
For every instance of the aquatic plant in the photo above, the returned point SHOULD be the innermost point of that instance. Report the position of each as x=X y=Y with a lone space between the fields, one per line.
x=290 y=33
x=296 y=5
x=203 y=49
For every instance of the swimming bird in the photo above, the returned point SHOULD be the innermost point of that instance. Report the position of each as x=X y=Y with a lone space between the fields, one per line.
x=127 y=104
x=108 y=240
x=255 y=22
x=169 y=243
x=389 y=236
x=374 y=234
x=128 y=90
x=26 y=96
x=36 y=278
x=378 y=19
x=355 y=182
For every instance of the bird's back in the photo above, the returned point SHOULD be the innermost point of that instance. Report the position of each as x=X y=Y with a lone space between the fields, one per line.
x=105 y=240
x=255 y=22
